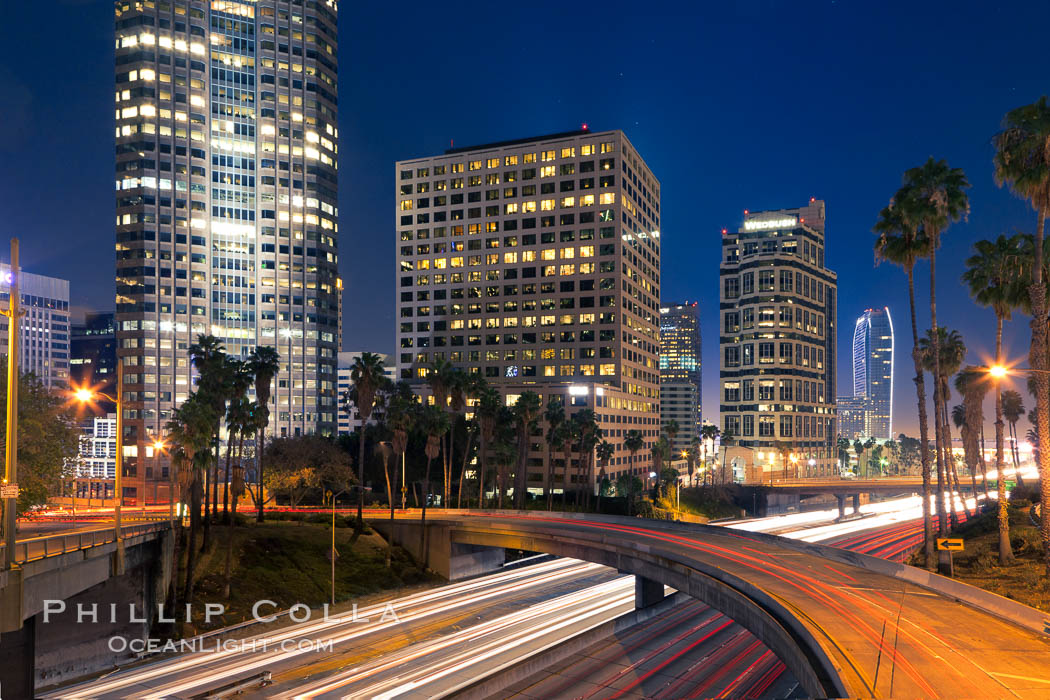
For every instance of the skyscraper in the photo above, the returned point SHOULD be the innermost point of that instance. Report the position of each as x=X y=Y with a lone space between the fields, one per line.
x=680 y=382
x=777 y=364
x=873 y=374
x=93 y=355
x=226 y=182
x=536 y=264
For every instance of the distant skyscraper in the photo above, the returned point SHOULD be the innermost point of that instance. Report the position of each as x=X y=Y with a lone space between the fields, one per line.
x=44 y=338
x=535 y=263
x=872 y=375
x=226 y=206
x=778 y=306
x=680 y=383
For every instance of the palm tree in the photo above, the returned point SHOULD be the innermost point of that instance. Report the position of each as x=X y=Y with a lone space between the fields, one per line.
x=632 y=442
x=367 y=374
x=708 y=434
x=588 y=434
x=902 y=242
x=952 y=351
x=690 y=457
x=264 y=364
x=993 y=276
x=1013 y=409
x=554 y=417
x=672 y=429
x=238 y=406
x=190 y=433
x=843 y=445
x=400 y=415
x=526 y=412
x=488 y=410
x=434 y=423
x=937 y=195
x=1022 y=161
x=605 y=452
x=467 y=389
x=858 y=448
x=441 y=376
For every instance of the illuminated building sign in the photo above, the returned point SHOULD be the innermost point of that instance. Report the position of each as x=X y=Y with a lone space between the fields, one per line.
x=760 y=224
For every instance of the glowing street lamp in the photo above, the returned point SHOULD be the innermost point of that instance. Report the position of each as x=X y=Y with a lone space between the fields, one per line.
x=88 y=396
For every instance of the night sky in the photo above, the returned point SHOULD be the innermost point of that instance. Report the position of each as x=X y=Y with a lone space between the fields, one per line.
x=756 y=105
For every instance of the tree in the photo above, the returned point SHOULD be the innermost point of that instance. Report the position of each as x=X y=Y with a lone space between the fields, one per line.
x=632 y=442
x=526 y=412
x=367 y=374
x=554 y=417
x=690 y=459
x=858 y=448
x=672 y=429
x=47 y=436
x=902 y=242
x=973 y=384
x=434 y=423
x=466 y=390
x=442 y=376
x=629 y=486
x=190 y=433
x=1022 y=162
x=488 y=411
x=605 y=452
x=209 y=358
x=588 y=434
x=951 y=352
x=993 y=274
x=1013 y=409
x=708 y=434
x=938 y=198
x=237 y=412
x=843 y=445
x=402 y=411
x=264 y=364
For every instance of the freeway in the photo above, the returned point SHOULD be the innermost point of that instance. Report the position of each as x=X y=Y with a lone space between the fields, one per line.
x=478 y=605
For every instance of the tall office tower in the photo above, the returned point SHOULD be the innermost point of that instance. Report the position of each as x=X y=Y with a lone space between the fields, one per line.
x=777 y=362
x=852 y=413
x=349 y=420
x=44 y=332
x=873 y=370
x=226 y=183
x=536 y=264
x=680 y=383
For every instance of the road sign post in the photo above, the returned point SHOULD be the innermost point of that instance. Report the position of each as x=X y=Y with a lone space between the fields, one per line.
x=949 y=545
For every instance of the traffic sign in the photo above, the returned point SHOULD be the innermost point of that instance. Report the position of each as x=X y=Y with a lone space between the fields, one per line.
x=9 y=491
x=949 y=545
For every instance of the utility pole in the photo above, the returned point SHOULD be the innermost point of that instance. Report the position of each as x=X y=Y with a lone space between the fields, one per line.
x=13 y=313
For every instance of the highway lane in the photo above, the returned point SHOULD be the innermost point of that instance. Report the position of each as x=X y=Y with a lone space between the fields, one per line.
x=420 y=617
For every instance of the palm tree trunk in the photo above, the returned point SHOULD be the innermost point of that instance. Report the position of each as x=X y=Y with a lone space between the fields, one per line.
x=520 y=478
x=952 y=470
x=483 y=465
x=229 y=549
x=935 y=349
x=1015 y=454
x=390 y=497
x=359 y=526
x=463 y=471
x=260 y=438
x=423 y=516
x=550 y=476
x=215 y=480
x=924 y=428
x=446 y=466
x=1037 y=360
x=226 y=483
x=191 y=550
x=565 y=479
x=984 y=467
x=1006 y=555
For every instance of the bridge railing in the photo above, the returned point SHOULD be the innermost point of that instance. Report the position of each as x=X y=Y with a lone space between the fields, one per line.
x=33 y=548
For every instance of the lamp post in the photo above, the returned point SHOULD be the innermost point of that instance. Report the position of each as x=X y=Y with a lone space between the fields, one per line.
x=13 y=313
x=86 y=396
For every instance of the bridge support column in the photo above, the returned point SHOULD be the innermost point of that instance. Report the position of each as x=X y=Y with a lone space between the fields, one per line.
x=856 y=503
x=841 y=497
x=18 y=671
x=647 y=592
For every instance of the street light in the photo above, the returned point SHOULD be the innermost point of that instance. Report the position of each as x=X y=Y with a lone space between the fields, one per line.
x=86 y=396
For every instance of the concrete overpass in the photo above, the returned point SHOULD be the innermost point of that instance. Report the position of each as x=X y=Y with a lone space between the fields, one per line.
x=88 y=567
x=845 y=624
x=779 y=494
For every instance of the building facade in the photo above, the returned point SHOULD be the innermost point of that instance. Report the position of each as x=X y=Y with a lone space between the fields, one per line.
x=43 y=347
x=873 y=370
x=226 y=179
x=535 y=263
x=777 y=346
x=98 y=448
x=349 y=420
x=680 y=376
x=852 y=414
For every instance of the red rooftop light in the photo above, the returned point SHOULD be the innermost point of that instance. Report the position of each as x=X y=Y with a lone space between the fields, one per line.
x=584 y=126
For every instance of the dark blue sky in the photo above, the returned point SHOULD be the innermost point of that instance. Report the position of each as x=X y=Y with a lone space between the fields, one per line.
x=753 y=105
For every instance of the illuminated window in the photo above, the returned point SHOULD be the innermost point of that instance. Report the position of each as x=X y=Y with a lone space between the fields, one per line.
x=547 y=205
x=608 y=147
x=587 y=200
x=568 y=202
x=548 y=171
x=587 y=149
x=568 y=253
x=607 y=370
x=565 y=270
x=510 y=258
x=475 y=165
x=546 y=156
x=607 y=198
x=528 y=158
x=528 y=256
x=511 y=208
x=586 y=251
x=568 y=152
x=528 y=207
x=492 y=163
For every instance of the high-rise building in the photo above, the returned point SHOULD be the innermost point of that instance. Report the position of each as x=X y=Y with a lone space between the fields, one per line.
x=680 y=377
x=349 y=420
x=93 y=355
x=226 y=142
x=873 y=370
x=777 y=365
x=44 y=331
x=852 y=413
x=535 y=263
